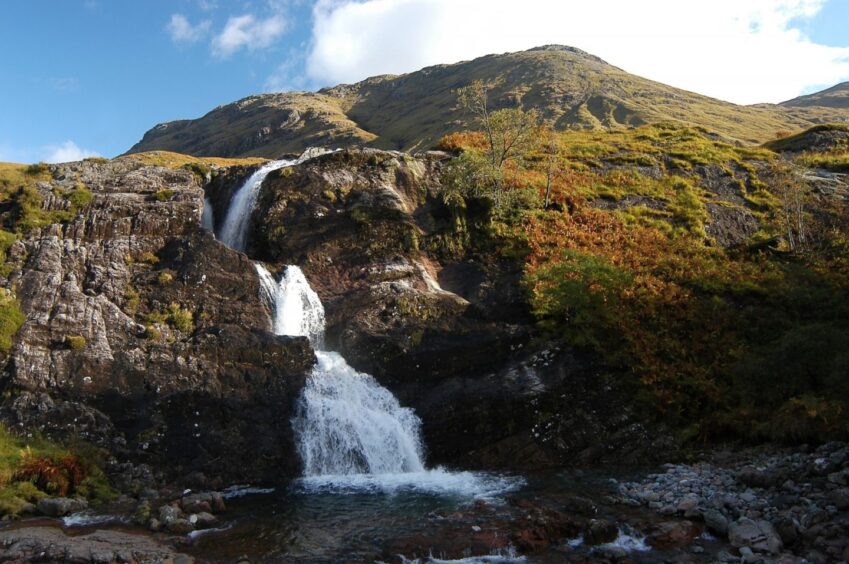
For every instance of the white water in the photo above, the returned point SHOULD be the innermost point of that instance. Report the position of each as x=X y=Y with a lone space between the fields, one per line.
x=235 y=228
x=352 y=434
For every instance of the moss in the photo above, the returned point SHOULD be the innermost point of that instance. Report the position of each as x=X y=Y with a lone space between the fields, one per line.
x=199 y=168
x=75 y=342
x=11 y=319
x=164 y=195
x=164 y=278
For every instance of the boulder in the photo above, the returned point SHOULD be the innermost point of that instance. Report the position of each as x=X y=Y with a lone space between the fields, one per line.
x=758 y=535
x=600 y=531
x=60 y=506
x=672 y=534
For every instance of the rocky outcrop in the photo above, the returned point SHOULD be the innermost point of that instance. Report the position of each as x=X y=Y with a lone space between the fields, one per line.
x=44 y=544
x=145 y=335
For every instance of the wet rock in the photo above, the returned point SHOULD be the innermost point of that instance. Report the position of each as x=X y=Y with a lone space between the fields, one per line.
x=672 y=534
x=168 y=514
x=759 y=535
x=180 y=526
x=60 y=506
x=600 y=531
x=203 y=520
x=211 y=502
x=787 y=530
x=716 y=522
x=46 y=544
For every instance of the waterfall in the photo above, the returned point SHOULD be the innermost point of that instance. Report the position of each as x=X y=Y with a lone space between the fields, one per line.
x=350 y=431
x=345 y=423
x=234 y=230
x=207 y=218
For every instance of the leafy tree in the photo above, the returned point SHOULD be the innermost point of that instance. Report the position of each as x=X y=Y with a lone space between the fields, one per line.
x=509 y=133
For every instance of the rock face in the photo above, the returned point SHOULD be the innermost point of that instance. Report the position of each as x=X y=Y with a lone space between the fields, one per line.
x=145 y=335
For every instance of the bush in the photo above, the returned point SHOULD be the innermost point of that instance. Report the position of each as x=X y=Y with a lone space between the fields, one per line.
x=56 y=476
x=75 y=342
x=165 y=278
x=147 y=258
x=164 y=195
x=11 y=319
x=37 y=169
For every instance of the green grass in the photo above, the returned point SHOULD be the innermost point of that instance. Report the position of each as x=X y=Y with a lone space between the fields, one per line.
x=11 y=319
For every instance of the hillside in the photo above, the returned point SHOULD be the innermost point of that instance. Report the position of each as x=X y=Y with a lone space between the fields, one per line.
x=834 y=97
x=572 y=89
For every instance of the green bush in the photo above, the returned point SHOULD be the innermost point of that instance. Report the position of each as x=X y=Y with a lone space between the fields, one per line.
x=11 y=319
x=164 y=195
x=75 y=342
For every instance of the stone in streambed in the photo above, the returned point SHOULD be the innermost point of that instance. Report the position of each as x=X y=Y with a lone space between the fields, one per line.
x=759 y=535
x=600 y=531
x=60 y=506
x=672 y=534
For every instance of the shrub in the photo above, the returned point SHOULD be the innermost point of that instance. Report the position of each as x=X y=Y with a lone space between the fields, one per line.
x=131 y=300
x=56 y=476
x=147 y=258
x=37 y=169
x=181 y=319
x=75 y=342
x=11 y=319
x=80 y=196
x=165 y=278
x=164 y=194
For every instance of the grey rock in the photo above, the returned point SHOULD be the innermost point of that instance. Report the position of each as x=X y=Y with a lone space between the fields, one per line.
x=759 y=535
x=716 y=522
x=168 y=514
x=60 y=506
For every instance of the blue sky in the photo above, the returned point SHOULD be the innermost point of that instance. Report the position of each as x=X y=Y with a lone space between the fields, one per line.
x=91 y=76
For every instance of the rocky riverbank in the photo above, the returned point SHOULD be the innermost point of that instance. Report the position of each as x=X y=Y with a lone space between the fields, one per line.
x=771 y=505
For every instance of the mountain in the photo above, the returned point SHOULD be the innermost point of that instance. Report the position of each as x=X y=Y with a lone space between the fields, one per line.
x=834 y=97
x=573 y=90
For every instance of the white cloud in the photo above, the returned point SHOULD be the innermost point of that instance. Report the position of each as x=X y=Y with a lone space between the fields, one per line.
x=181 y=31
x=249 y=32
x=745 y=51
x=67 y=152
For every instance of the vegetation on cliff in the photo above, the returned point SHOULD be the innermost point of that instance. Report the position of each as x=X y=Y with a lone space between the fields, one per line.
x=34 y=468
x=747 y=338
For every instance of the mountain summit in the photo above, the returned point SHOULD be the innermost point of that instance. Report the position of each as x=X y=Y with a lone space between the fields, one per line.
x=572 y=89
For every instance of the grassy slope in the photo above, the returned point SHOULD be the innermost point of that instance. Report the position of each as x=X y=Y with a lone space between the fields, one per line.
x=412 y=111
x=748 y=341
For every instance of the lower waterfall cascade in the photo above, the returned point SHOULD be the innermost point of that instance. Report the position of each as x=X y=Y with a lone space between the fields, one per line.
x=352 y=434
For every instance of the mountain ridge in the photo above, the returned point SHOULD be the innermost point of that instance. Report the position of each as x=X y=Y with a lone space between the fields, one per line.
x=571 y=88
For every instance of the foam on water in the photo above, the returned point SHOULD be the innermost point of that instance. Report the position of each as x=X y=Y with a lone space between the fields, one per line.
x=469 y=485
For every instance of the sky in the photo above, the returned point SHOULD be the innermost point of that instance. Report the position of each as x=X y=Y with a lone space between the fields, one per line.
x=89 y=77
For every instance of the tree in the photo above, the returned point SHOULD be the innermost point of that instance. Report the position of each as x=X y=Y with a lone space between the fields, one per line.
x=793 y=192
x=509 y=133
